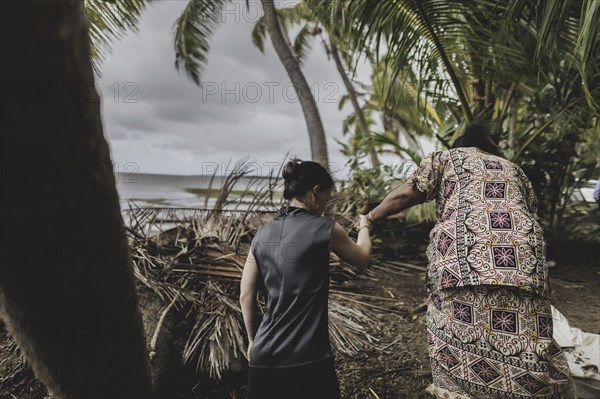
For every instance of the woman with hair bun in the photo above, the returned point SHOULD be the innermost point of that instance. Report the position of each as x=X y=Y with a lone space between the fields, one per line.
x=289 y=350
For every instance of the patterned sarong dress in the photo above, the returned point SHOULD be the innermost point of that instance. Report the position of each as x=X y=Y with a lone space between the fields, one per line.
x=489 y=320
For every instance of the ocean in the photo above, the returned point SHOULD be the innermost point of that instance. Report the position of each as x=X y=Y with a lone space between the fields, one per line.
x=172 y=191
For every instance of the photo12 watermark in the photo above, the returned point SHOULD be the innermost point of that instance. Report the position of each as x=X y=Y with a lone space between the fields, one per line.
x=50 y=92
x=269 y=92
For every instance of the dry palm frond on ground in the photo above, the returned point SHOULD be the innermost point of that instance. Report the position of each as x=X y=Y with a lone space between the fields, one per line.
x=189 y=261
x=196 y=250
x=194 y=258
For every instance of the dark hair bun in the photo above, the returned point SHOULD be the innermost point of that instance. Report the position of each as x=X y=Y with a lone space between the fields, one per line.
x=301 y=176
x=291 y=169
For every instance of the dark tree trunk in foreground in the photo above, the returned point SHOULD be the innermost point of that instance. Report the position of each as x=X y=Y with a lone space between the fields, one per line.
x=66 y=282
x=318 y=143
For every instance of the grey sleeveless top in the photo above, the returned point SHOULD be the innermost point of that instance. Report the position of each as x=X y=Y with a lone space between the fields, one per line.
x=292 y=253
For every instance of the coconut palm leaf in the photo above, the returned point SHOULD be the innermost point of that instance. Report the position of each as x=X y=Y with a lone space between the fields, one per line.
x=385 y=139
x=108 y=21
x=193 y=30
x=289 y=16
x=565 y=33
x=587 y=48
x=558 y=23
x=425 y=34
x=259 y=33
x=302 y=43
x=447 y=42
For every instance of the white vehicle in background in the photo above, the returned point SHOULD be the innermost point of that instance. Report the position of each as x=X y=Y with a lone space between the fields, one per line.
x=586 y=193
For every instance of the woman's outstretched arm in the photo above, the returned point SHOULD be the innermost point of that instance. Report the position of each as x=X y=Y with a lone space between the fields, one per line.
x=248 y=301
x=357 y=254
x=396 y=201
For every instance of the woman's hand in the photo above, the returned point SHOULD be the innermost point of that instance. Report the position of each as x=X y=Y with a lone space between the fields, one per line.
x=363 y=222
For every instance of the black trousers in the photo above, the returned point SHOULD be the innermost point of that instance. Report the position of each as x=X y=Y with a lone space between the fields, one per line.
x=310 y=381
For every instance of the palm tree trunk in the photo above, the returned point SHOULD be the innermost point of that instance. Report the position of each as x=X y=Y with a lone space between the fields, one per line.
x=318 y=143
x=354 y=100
x=66 y=283
x=388 y=126
x=512 y=122
x=479 y=95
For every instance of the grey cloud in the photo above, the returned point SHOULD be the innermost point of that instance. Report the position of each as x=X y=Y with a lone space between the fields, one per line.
x=175 y=118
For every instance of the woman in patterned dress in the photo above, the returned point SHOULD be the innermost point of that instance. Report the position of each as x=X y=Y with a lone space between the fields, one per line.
x=489 y=320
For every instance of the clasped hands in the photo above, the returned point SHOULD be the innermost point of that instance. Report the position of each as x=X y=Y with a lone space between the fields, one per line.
x=363 y=222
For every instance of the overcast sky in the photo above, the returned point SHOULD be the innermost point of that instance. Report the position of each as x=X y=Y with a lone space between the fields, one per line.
x=158 y=121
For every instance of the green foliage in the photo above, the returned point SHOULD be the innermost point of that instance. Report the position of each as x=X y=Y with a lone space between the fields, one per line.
x=422 y=213
x=562 y=162
x=193 y=30
x=367 y=184
x=448 y=43
x=370 y=185
x=108 y=21
x=426 y=53
x=386 y=139
x=531 y=69
x=289 y=16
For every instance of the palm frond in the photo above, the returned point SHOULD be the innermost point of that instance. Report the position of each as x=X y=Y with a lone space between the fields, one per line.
x=448 y=43
x=108 y=21
x=385 y=139
x=193 y=30
x=217 y=337
x=297 y=14
x=334 y=17
x=587 y=50
x=564 y=32
x=302 y=43
x=259 y=33
x=425 y=35
x=288 y=17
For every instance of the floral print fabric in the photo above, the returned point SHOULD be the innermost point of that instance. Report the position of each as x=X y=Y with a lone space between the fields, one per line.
x=487 y=231
x=494 y=342
x=489 y=321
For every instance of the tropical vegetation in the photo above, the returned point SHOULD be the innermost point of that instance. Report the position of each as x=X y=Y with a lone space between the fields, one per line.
x=528 y=69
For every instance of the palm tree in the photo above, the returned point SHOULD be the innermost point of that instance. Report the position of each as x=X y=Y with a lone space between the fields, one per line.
x=66 y=281
x=476 y=57
x=451 y=43
x=488 y=46
x=313 y=19
x=353 y=96
x=193 y=30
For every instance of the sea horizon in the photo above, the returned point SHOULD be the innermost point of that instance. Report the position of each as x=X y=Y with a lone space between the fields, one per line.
x=186 y=191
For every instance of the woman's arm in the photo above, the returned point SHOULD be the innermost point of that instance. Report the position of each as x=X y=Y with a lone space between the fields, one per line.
x=248 y=302
x=357 y=254
x=423 y=185
x=398 y=200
